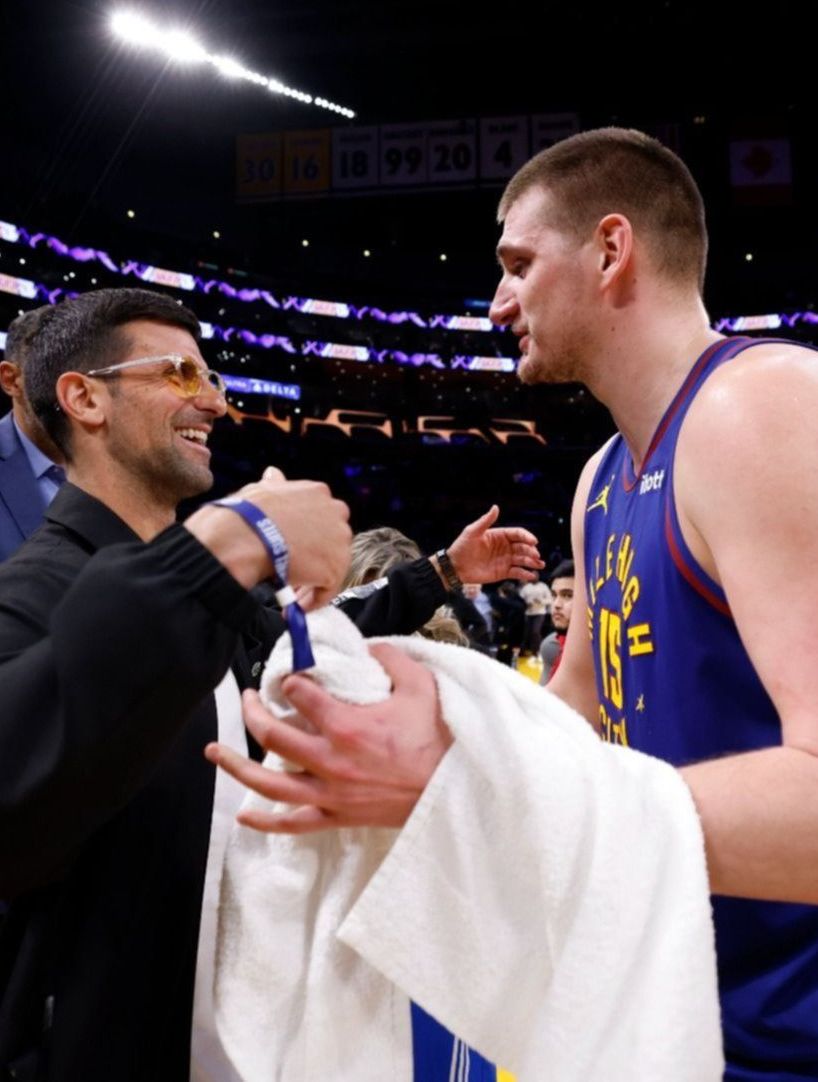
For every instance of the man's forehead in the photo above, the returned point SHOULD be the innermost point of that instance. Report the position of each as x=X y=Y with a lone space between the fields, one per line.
x=148 y=335
x=526 y=220
x=562 y=584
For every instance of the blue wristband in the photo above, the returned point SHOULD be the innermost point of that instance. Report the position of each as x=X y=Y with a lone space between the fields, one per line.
x=272 y=539
x=268 y=533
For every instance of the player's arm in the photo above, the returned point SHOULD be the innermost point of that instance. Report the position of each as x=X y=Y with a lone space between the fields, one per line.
x=574 y=679
x=747 y=490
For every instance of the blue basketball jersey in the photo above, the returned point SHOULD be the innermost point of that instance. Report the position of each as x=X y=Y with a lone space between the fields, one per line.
x=675 y=681
x=439 y=1056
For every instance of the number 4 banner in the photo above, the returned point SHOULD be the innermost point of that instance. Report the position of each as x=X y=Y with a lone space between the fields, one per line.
x=503 y=146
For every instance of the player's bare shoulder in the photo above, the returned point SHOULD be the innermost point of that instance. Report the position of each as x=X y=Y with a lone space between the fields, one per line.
x=747 y=451
x=763 y=396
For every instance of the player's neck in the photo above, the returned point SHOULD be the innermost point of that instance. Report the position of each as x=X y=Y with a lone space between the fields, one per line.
x=644 y=363
x=146 y=512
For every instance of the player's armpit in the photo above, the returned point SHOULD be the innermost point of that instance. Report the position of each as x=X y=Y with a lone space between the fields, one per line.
x=574 y=680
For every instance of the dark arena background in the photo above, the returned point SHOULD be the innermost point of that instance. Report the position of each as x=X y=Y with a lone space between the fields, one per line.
x=343 y=266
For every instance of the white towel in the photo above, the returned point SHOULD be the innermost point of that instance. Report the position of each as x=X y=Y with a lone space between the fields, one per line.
x=547 y=901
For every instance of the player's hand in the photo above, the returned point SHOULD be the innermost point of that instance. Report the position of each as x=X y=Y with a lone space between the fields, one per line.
x=362 y=765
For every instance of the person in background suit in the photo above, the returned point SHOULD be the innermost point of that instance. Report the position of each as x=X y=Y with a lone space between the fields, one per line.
x=30 y=462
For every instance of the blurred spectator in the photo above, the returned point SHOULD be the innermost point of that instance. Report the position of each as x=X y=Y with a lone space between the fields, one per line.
x=482 y=602
x=562 y=589
x=386 y=558
x=469 y=617
x=510 y=621
x=537 y=598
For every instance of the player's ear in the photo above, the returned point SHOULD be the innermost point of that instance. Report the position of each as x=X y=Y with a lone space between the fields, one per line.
x=613 y=238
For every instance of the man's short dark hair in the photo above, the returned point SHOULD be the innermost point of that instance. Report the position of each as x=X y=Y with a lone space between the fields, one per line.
x=563 y=570
x=22 y=332
x=618 y=170
x=85 y=333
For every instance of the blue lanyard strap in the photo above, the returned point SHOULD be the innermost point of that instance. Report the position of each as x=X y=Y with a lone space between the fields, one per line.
x=273 y=541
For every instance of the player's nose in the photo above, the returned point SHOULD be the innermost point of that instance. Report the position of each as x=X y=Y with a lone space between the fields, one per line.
x=503 y=307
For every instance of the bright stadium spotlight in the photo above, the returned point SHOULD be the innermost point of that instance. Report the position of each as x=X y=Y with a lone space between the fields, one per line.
x=180 y=46
x=135 y=29
x=229 y=67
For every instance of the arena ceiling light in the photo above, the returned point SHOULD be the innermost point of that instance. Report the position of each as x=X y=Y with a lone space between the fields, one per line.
x=185 y=48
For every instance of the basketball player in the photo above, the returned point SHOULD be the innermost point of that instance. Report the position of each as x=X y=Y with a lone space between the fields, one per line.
x=712 y=475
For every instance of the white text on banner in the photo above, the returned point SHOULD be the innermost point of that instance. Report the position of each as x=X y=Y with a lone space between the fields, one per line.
x=452 y=151
x=503 y=146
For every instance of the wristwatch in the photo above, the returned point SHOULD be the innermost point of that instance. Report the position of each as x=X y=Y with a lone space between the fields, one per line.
x=453 y=583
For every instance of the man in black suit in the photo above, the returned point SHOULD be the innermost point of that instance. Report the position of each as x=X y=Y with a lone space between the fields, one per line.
x=116 y=626
x=30 y=463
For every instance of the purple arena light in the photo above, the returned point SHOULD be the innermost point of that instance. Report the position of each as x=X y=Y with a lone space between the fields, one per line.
x=182 y=280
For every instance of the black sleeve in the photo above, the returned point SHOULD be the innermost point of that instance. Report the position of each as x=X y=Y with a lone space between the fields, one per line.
x=99 y=669
x=400 y=604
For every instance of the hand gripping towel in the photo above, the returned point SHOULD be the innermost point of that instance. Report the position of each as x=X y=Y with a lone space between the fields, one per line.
x=547 y=901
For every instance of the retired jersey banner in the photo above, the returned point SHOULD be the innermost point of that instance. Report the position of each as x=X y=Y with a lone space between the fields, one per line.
x=414 y=156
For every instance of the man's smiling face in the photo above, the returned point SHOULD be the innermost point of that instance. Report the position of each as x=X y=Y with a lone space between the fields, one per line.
x=159 y=437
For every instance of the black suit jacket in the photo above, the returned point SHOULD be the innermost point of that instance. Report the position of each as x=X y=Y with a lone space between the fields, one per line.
x=109 y=650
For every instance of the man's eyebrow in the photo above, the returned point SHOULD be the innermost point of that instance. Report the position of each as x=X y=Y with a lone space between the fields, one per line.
x=504 y=250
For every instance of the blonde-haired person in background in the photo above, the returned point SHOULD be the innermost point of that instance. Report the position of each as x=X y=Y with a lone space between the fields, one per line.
x=376 y=553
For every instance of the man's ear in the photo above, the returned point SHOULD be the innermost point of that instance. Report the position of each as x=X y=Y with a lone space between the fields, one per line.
x=82 y=400
x=11 y=379
x=613 y=238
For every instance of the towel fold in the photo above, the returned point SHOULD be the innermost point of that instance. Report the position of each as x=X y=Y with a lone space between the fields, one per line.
x=547 y=901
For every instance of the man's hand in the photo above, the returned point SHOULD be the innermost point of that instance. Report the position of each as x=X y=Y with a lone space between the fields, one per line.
x=314 y=525
x=482 y=554
x=363 y=765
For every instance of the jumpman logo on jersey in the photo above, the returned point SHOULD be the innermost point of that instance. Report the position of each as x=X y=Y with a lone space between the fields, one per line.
x=602 y=498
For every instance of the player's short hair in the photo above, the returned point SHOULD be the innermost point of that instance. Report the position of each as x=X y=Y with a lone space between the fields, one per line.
x=83 y=333
x=618 y=170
